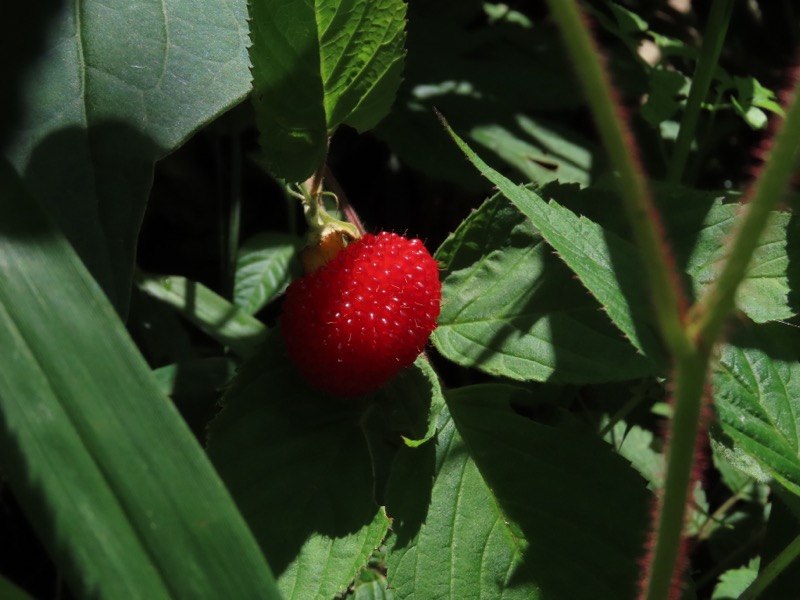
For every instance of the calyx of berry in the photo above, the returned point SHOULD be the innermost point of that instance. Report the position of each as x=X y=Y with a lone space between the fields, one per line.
x=327 y=235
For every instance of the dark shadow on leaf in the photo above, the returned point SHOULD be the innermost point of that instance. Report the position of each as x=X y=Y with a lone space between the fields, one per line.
x=465 y=81
x=556 y=512
x=570 y=512
x=22 y=36
x=94 y=183
x=300 y=464
x=20 y=226
x=409 y=491
x=777 y=340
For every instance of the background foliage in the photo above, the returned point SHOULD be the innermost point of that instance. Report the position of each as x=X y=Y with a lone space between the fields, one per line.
x=156 y=441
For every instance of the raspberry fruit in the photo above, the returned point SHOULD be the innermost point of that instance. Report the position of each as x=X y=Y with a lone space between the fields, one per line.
x=356 y=322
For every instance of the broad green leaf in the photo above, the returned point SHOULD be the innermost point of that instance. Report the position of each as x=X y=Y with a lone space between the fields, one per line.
x=605 y=263
x=318 y=65
x=513 y=309
x=219 y=318
x=120 y=492
x=300 y=465
x=764 y=292
x=699 y=225
x=497 y=508
x=121 y=85
x=541 y=152
x=757 y=390
x=266 y=263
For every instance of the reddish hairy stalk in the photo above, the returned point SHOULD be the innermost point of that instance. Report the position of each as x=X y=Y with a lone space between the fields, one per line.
x=666 y=554
x=699 y=465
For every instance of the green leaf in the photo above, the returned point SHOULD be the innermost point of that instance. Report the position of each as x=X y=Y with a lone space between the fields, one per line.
x=699 y=225
x=764 y=292
x=605 y=263
x=513 y=309
x=749 y=100
x=757 y=391
x=121 y=85
x=318 y=65
x=668 y=89
x=301 y=467
x=119 y=490
x=373 y=590
x=371 y=583
x=735 y=581
x=222 y=320
x=498 y=508
x=540 y=151
x=266 y=264
x=637 y=445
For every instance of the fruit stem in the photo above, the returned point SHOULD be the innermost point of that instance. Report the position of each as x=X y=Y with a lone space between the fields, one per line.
x=320 y=222
x=327 y=235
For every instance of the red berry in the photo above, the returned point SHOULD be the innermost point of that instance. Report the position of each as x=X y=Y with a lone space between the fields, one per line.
x=356 y=322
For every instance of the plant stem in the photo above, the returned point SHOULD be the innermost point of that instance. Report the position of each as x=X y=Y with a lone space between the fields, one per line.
x=709 y=313
x=681 y=454
x=704 y=72
x=663 y=280
x=718 y=515
x=772 y=570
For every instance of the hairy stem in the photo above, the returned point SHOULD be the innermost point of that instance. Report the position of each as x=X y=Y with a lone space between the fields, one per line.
x=664 y=563
x=665 y=567
x=709 y=314
x=704 y=72
x=663 y=280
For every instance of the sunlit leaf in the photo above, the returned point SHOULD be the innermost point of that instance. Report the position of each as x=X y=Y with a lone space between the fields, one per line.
x=318 y=65
x=266 y=263
x=757 y=390
x=605 y=263
x=513 y=309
